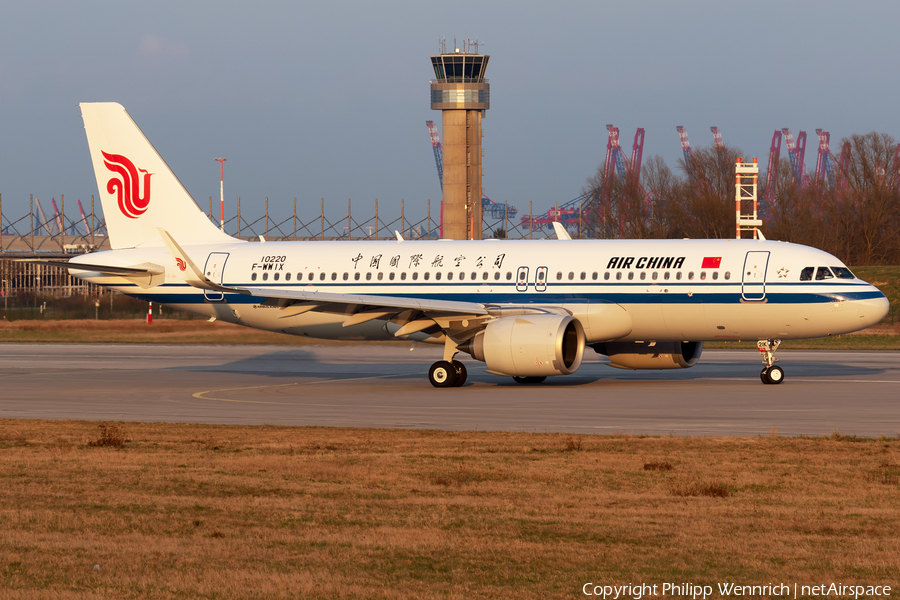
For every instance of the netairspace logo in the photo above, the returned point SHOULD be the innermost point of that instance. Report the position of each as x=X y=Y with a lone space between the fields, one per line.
x=723 y=590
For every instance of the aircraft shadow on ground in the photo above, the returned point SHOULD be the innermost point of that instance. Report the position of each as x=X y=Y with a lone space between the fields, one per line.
x=296 y=362
x=595 y=372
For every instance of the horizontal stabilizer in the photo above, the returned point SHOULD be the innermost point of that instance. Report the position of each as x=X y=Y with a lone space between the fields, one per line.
x=145 y=269
x=146 y=275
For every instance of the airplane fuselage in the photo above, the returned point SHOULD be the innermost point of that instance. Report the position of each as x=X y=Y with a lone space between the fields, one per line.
x=700 y=290
x=527 y=309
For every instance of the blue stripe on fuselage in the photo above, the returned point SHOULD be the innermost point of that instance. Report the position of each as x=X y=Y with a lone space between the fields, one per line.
x=168 y=295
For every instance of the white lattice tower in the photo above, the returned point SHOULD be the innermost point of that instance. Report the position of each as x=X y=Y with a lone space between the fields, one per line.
x=746 y=176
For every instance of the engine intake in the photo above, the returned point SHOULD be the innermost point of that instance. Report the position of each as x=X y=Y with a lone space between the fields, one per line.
x=530 y=345
x=641 y=355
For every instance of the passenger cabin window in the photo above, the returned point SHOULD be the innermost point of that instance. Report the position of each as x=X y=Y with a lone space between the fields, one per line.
x=594 y=276
x=727 y=274
x=322 y=277
x=437 y=275
x=415 y=275
x=265 y=276
x=715 y=275
x=643 y=275
x=807 y=274
x=368 y=277
x=823 y=273
x=253 y=277
x=484 y=276
x=606 y=276
x=287 y=276
x=426 y=276
x=391 y=276
x=346 y=276
x=630 y=275
x=381 y=276
x=276 y=276
x=842 y=273
x=497 y=276
x=509 y=275
x=356 y=276
x=403 y=276
x=619 y=275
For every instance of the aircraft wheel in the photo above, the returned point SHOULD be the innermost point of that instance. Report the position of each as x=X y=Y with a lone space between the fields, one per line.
x=763 y=375
x=442 y=374
x=527 y=380
x=461 y=373
x=774 y=375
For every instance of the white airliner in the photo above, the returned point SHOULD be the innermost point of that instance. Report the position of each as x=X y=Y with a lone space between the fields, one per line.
x=526 y=308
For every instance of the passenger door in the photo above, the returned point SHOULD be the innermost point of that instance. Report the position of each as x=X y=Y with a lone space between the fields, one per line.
x=753 y=286
x=215 y=272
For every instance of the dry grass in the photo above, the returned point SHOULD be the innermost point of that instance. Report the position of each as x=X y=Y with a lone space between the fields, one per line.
x=162 y=331
x=192 y=511
x=111 y=436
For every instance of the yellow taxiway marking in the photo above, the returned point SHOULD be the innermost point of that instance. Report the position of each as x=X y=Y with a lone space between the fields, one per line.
x=203 y=396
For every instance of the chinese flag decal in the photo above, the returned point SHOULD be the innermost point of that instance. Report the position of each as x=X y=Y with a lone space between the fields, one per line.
x=711 y=262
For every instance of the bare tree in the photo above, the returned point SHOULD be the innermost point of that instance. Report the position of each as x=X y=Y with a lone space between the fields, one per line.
x=797 y=213
x=864 y=211
x=708 y=192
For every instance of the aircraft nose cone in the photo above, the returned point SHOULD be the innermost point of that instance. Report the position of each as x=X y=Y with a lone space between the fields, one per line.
x=872 y=310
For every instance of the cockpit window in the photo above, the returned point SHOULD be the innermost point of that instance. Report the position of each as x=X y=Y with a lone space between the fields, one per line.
x=842 y=272
x=823 y=273
x=807 y=274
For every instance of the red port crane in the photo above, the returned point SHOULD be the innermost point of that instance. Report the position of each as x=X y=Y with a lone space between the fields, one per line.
x=717 y=137
x=685 y=144
x=438 y=150
x=772 y=170
x=797 y=153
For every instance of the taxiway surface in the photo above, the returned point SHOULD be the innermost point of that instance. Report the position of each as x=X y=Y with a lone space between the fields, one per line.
x=854 y=393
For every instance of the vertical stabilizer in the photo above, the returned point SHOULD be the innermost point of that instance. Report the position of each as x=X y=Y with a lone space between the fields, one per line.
x=139 y=192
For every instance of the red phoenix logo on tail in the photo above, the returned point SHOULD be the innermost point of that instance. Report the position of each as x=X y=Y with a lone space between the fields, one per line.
x=127 y=189
x=181 y=264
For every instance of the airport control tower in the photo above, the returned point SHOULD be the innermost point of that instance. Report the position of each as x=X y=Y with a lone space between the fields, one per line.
x=460 y=91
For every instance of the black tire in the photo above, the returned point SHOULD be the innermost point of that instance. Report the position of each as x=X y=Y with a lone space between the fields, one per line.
x=529 y=380
x=764 y=375
x=775 y=375
x=442 y=374
x=461 y=373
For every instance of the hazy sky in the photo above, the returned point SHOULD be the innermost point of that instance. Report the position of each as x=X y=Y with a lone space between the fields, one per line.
x=330 y=99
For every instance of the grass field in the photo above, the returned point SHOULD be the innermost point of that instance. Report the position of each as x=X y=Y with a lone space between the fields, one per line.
x=193 y=511
x=882 y=337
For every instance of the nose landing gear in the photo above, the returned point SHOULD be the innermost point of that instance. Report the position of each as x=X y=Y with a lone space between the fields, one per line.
x=770 y=374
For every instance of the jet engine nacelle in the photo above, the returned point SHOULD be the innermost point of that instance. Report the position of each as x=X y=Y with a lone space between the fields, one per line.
x=530 y=345
x=641 y=355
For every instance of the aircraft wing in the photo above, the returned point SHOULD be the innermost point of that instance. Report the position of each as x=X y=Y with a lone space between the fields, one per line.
x=373 y=301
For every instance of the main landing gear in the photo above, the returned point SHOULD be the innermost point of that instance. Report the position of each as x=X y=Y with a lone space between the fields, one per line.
x=448 y=372
x=770 y=374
